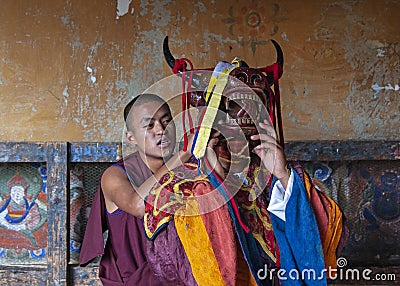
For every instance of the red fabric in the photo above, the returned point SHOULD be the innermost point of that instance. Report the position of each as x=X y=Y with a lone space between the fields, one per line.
x=232 y=200
x=167 y=195
x=180 y=66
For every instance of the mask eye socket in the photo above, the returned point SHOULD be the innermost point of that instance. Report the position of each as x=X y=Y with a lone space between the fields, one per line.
x=242 y=77
x=257 y=80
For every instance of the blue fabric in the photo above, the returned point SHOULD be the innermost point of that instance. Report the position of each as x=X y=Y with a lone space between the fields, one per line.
x=298 y=239
x=220 y=67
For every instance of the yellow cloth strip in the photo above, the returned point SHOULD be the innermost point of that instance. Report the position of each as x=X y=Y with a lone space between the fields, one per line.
x=213 y=97
x=194 y=237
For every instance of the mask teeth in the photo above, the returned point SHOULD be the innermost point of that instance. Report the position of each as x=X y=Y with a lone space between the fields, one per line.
x=239 y=121
x=250 y=96
x=246 y=121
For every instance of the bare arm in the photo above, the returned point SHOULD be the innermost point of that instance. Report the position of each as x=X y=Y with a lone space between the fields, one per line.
x=120 y=193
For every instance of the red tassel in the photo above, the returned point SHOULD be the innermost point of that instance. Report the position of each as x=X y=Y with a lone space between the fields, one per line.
x=180 y=66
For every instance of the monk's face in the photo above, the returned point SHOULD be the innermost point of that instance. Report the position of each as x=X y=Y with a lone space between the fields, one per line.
x=152 y=129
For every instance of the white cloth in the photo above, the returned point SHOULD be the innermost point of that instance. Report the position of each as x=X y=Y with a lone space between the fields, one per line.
x=280 y=197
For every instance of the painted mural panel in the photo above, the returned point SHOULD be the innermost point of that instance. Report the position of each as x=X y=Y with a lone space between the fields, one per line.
x=84 y=180
x=374 y=214
x=369 y=194
x=23 y=213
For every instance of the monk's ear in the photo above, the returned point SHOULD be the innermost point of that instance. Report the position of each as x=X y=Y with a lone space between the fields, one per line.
x=130 y=137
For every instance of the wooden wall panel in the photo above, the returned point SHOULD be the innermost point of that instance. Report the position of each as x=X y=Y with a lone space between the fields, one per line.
x=369 y=155
x=58 y=210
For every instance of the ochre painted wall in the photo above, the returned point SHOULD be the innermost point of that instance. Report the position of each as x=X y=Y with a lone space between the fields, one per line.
x=67 y=68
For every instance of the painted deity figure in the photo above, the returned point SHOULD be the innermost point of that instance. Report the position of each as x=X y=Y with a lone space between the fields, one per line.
x=78 y=210
x=226 y=215
x=22 y=220
x=17 y=212
x=377 y=217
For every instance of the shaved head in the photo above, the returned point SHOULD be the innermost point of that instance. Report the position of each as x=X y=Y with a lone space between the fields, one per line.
x=137 y=102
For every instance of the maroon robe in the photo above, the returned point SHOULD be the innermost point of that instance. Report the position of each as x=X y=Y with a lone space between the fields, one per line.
x=124 y=260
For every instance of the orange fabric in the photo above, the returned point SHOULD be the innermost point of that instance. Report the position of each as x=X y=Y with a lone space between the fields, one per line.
x=330 y=221
x=244 y=275
x=193 y=235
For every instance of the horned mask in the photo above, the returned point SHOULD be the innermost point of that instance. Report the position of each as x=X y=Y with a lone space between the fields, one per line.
x=247 y=97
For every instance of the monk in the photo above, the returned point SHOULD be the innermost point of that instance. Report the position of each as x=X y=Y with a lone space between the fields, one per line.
x=118 y=204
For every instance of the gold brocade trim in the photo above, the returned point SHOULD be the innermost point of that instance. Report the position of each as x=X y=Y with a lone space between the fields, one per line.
x=264 y=246
x=178 y=199
x=260 y=214
x=267 y=226
x=253 y=206
x=157 y=194
x=150 y=234
x=194 y=165
x=202 y=177
x=164 y=220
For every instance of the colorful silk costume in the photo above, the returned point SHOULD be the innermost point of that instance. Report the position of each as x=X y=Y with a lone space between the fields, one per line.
x=304 y=243
x=123 y=259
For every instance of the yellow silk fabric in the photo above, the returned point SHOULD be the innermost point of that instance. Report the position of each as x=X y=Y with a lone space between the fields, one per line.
x=192 y=232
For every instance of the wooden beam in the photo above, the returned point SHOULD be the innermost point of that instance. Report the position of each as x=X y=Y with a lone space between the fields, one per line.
x=23 y=275
x=57 y=213
x=342 y=150
x=95 y=152
x=22 y=152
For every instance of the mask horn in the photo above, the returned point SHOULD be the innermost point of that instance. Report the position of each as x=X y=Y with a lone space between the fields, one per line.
x=279 y=53
x=279 y=61
x=171 y=62
x=167 y=54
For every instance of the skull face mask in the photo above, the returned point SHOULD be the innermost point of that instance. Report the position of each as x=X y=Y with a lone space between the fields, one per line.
x=247 y=99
